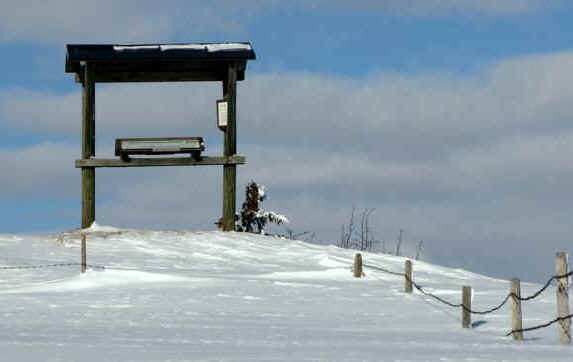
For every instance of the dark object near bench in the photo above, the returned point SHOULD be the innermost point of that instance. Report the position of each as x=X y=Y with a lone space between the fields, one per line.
x=125 y=147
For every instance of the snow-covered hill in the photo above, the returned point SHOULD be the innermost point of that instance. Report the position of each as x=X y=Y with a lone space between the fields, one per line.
x=185 y=296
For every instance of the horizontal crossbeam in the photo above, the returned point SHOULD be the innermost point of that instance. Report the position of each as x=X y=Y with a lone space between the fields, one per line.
x=161 y=161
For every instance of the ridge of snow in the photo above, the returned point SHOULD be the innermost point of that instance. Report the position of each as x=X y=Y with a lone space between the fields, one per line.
x=97 y=279
x=7 y=237
x=96 y=228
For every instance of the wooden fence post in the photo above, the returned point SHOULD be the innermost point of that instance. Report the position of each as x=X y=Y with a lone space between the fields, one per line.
x=563 y=298
x=408 y=277
x=516 y=324
x=467 y=306
x=358 y=265
x=84 y=253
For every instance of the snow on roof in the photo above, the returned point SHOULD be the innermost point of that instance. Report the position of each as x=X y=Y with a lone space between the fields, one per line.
x=208 y=47
x=121 y=48
x=214 y=47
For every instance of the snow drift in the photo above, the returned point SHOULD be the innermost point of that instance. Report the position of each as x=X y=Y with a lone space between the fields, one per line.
x=185 y=296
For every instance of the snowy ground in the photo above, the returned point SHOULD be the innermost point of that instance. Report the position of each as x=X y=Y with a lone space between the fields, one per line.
x=183 y=296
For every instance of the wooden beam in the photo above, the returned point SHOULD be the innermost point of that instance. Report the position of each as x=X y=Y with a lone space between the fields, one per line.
x=130 y=76
x=111 y=72
x=161 y=161
x=165 y=71
x=88 y=145
x=230 y=148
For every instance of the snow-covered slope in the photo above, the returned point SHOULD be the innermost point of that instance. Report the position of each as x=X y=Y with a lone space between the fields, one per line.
x=184 y=296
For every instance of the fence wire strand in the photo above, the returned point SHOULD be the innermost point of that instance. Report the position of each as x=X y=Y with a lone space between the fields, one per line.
x=461 y=305
x=536 y=294
x=440 y=299
x=384 y=270
x=544 y=325
x=45 y=266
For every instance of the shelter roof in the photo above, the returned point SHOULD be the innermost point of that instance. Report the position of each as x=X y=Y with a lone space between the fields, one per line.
x=159 y=62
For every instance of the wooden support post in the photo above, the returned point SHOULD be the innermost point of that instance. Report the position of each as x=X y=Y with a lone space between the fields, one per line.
x=562 y=298
x=84 y=254
x=88 y=196
x=467 y=306
x=358 y=265
x=230 y=148
x=516 y=322
x=88 y=145
x=408 y=277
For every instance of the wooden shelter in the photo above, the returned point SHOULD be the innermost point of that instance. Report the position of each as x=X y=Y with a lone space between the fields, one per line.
x=105 y=63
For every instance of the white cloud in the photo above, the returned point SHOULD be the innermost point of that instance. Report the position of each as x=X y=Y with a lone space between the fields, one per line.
x=428 y=7
x=409 y=117
x=120 y=110
x=179 y=197
x=30 y=111
x=40 y=170
x=68 y=21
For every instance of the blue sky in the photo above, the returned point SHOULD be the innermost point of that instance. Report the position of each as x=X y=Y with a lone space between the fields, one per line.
x=451 y=118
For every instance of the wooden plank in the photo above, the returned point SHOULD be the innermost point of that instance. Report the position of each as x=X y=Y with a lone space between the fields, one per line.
x=161 y=161
x=516 y=321
x=88 y=145
x=564 y=325
x=230 y=148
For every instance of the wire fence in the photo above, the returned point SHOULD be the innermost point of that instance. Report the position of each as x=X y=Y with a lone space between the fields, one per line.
x=378 y=268
x=490 y=310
